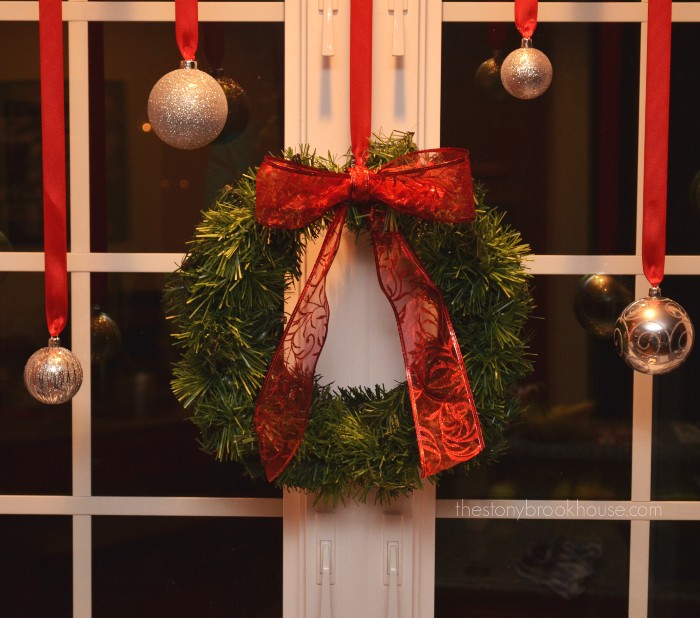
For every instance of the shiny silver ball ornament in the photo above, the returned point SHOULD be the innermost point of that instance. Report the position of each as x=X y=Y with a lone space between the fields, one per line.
x=598 y=302
x=654 y=335
x=105 y=337
x=53 y=374
x=526 y=72
x=187 y=108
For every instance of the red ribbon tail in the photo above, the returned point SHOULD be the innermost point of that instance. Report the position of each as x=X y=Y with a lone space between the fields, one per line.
x=283 y=405
x=447 y=425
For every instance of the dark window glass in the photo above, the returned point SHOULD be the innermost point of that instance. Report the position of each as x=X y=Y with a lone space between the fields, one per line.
x=143 y=441
x=531 y=569
x=563 y=165
x=683 y=216
x=187 y=566
x=35 y=439
x=674 y=564
x=574 y=439
x=36 y=566
x=676 y=445
x=146 y=195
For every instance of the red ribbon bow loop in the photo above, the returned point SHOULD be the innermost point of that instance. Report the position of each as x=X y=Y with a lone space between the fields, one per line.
x=432 y=184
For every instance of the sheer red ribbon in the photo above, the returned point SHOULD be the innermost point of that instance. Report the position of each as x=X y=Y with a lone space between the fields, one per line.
x=53 y=144
x=186 y=27
x=656 y=140
x=526 y=17
x=434 y=184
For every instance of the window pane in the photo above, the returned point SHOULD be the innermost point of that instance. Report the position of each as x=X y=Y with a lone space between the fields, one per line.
x=36 y=566
x=684 y=156
x=187 y=566
x=674 y=564
x=563 y=165
x=35 y=439
x=21 y=202
x=531 y=569
x=676 y=425
x=146 y=195
x=143 y=442
x=574 y=439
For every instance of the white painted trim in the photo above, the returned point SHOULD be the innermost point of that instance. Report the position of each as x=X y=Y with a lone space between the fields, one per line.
x=145 y=506
x=82 y=566
x=547 y=11
x=639 y=569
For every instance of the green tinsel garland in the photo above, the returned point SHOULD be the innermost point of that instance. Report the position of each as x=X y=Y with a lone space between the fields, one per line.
x=227 y=305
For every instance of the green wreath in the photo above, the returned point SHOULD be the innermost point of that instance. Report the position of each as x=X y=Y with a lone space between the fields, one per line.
x=227 y=305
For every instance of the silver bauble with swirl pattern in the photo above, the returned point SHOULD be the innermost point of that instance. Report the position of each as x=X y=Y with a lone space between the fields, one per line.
x=526 y=72
x=187 y=108
x=654 y=335
x=53 y=374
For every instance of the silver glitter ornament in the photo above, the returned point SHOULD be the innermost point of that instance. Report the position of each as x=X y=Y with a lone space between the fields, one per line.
x=187 y=108
x=53 y=374
x=526 y=72
x=105 y=337
x=598 y=302
x=654 y=334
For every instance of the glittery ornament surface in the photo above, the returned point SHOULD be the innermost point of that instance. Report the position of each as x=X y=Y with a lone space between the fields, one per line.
x=654 y=334
x=53 y=374
x=526 y=73
x=187 y=108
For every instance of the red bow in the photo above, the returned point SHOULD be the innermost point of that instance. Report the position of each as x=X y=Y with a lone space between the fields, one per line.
x=432 y=184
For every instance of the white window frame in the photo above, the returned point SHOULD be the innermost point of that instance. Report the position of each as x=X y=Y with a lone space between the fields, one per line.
x=82 y=505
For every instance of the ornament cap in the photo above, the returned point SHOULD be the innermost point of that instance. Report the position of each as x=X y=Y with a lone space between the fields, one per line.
x=526 y=42
x=188 y=64
x=54 y=342
x=654 y=291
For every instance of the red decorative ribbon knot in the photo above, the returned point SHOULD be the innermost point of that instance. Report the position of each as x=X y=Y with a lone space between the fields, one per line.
x=431 y=184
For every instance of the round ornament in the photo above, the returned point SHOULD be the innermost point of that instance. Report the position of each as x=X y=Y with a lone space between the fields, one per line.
x=526 y=72
x=226 y=303
x=53 y=374
x=488 y=78
x=105 y=337
x=654 y=335
x=598 y=302
x=187 y=108
x=238 y=106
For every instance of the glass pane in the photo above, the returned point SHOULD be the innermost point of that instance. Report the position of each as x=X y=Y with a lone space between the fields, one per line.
x=674 y=565
x=146 y=195
x=531 y=569
x=143 y=443
x=683 y=217
x=574 y=439
x=36 y=566
x=187 y=566
x=563 y=165
x=21 y=205
x=676 y=445
x=35 y=439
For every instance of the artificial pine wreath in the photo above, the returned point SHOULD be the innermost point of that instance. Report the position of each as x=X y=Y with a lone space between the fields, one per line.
x=227 y=305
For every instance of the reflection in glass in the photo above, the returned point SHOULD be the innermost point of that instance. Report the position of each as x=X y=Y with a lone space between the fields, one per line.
x=187 y=566
x=531 y=568
x=674 y=566
x=563 y=165
x=145 y=195
x=143 y=442
x=676 y=444
x=36 y=566
x=574 y=439
x=35 y=439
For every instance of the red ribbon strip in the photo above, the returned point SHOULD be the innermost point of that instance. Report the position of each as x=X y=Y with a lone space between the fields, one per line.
x=656 y=140
x=186 y=27
x=526 y=17
x=53 y=144
x=432 y=184
x=360 y=78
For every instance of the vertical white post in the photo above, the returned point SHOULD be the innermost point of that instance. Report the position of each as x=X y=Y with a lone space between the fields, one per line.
x=362 y=347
